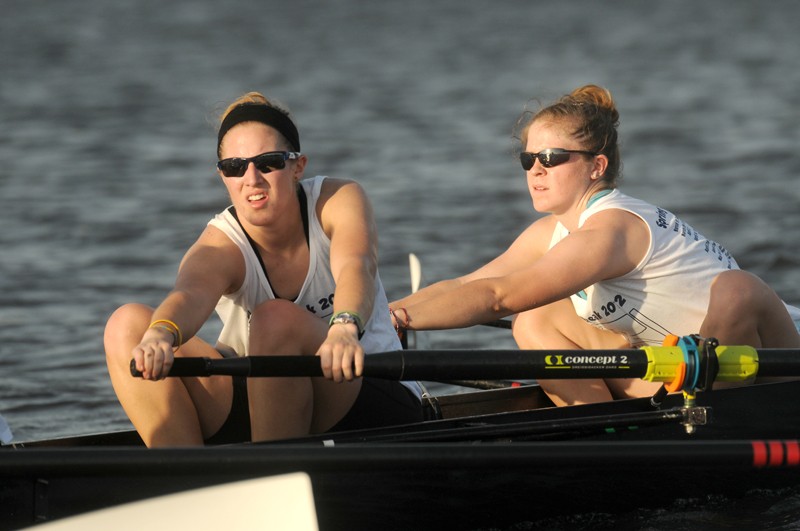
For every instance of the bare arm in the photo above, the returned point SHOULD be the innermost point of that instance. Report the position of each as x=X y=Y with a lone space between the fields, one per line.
x=529 y=246
x=347 y=218
x=209 y=268
x=610 y=244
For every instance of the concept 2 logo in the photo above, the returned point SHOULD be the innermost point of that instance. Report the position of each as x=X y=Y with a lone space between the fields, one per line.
x=580 y=361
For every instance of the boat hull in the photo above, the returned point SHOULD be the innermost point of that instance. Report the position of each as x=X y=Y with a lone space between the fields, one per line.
x=477 y=472
x=405 y=486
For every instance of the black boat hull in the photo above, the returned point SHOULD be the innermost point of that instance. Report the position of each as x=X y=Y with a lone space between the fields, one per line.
x=470 y=473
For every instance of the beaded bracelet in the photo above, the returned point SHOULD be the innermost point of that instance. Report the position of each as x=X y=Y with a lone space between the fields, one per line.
x=177 y=336
x=398 y=323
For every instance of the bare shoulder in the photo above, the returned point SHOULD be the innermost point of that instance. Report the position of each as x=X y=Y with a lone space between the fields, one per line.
x=341 y=189
x=213 y=244
x=618 y=221
x=342 y=201
x=543 y=226
x=536 y=238
x=617 y=238
x=213 y=254
x=214 y=237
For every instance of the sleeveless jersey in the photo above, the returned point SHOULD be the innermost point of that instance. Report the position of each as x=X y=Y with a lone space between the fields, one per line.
x=667 y=292
x=316 y=294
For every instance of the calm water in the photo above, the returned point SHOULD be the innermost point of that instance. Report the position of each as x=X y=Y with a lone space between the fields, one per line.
x=107 y=145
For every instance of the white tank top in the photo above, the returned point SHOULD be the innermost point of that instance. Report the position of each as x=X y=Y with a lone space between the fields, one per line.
x=667 y=292
x=316 y=294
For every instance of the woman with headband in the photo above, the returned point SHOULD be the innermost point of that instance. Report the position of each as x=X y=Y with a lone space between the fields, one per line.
x=291 y=269
x=603 y=270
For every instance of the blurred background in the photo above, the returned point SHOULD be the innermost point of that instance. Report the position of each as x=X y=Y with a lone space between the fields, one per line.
x=107 y=145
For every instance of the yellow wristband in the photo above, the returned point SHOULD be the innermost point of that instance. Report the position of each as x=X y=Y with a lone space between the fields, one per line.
x=176 y=332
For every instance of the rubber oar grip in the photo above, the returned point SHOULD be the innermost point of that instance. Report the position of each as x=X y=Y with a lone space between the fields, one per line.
x=186 y=367
x=245 y=366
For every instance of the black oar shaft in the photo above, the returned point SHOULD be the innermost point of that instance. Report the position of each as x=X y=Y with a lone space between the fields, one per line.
x=437 y=365
x=779 y=362
x=434 y=365
x=250 y=366
x=444 y=365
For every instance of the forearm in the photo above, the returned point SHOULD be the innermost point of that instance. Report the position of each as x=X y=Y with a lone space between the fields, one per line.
x=428 y=292
x=355 y=289
x=185 y=311
x=466 y=305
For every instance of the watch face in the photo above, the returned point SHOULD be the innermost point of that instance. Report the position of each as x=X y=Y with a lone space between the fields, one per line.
x=347 y=318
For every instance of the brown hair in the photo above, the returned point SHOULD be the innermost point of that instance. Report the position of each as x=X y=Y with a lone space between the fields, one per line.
x=256 y=98
x=592 y=112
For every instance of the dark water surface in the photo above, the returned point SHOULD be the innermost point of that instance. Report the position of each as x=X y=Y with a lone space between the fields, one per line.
x=107 y=148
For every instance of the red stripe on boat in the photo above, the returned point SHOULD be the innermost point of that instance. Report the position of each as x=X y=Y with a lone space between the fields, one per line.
x=775 y=453
x=759 y=453
x=792 y=453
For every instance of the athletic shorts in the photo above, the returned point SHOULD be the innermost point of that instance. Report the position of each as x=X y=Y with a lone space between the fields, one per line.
x=379 y=403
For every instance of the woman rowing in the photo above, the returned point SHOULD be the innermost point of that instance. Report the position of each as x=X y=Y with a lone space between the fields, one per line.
x=291 y=268
x=603 y=270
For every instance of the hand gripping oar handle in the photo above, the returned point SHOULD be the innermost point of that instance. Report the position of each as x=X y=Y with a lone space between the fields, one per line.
x=246 y=366
x=432 y=365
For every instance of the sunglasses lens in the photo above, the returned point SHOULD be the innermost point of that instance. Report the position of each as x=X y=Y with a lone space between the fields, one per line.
x=232 y=167
x=269 y=161
x=550 y=159
x=265 y=163
x=526 y=159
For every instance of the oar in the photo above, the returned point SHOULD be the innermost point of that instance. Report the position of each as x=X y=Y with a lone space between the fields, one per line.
x=5 y=431
x=499 y=323
x=485 y=384
x=658 y=364
x=415 y=269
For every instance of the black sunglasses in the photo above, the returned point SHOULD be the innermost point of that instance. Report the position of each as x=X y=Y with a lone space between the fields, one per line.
x=265 y=163
x=549 y=157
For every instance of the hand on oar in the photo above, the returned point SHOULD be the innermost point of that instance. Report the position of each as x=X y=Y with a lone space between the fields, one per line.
x=153 y=356
x=656 y=364
x=341 y=355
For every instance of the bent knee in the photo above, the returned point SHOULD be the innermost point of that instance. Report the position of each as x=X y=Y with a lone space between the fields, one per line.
x=739 y=290
x=528 y=325
x=276 y=313
x=127 y=323
x=543 y=327
x=282 y=319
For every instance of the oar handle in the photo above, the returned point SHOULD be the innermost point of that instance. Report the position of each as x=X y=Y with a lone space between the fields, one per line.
x=245 y=366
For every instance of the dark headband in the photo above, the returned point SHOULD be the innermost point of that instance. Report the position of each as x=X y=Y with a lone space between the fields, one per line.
x=258 y=112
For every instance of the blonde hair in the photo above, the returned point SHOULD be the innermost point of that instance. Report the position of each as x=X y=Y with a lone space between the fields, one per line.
x=594 y=118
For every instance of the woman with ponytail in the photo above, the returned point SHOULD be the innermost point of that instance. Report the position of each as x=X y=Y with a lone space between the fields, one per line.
x=291 y=268
x=603 y=270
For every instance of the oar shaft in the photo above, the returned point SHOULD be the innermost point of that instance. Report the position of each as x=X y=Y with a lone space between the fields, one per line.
x=657 y=364
x=499 y=323
x=250 y=366
x=779 y=362
x=435 y=365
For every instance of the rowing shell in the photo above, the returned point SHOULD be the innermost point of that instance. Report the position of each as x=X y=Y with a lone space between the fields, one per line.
x=485 y=470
